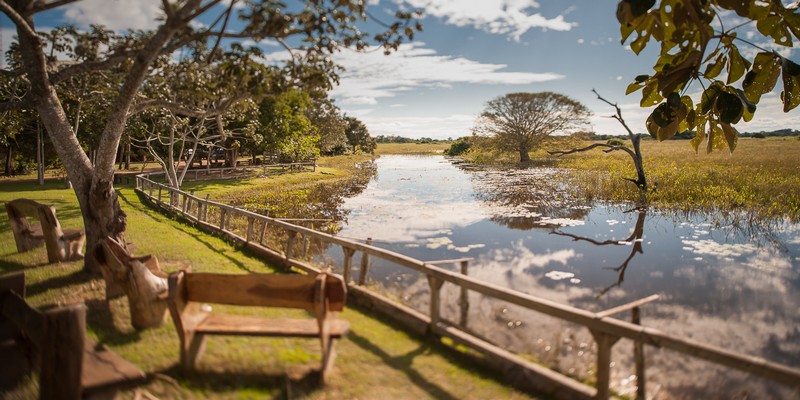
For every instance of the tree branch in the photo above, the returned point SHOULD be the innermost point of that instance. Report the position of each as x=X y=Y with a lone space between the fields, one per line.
x=84 y=67
x=40 y=6
x=17 y=19
x=16 y=105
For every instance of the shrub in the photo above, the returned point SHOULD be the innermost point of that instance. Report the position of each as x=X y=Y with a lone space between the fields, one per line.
x=616 y=142
x=459 y=147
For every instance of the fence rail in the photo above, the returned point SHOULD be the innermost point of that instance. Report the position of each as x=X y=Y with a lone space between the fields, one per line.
x=606 y=330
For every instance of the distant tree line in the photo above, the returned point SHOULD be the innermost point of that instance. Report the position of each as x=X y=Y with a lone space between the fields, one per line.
x=401 y=139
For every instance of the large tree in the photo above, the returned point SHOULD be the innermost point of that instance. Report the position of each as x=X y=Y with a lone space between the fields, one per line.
x=312 y=30
x=700 y=42
x=519 y=122
x=358 y=136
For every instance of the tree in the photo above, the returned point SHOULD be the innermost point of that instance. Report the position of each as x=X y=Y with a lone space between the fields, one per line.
x=522 y=121
x=331 y=126
x=358 y=136
x=285 y=127
x=635 y=153
x=698 y=42
x=320 y=27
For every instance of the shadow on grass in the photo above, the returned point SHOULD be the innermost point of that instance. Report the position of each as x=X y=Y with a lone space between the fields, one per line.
x=59 y=282
x=101 y=318
x=403 y=363
x=281 y=386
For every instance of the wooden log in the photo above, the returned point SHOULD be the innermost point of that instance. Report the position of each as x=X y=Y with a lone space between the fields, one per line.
x=62 y=353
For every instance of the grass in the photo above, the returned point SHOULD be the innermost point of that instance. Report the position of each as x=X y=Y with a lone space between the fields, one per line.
x=376 y=360
x=411 y=148
x=760 y=178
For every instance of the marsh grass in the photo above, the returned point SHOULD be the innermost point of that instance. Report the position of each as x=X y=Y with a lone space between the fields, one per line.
x=761 y=178
x=376 y=360
x=411 y=148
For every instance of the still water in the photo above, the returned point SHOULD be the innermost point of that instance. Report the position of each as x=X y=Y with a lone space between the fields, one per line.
x=729 y=285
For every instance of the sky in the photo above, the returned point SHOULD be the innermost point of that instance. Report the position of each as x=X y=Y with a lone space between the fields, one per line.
x=470 y=52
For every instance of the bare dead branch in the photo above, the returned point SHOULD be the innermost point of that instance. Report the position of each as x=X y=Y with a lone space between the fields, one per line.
x=40 y=6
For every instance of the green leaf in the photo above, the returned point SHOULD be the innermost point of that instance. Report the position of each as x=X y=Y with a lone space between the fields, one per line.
x=665 y=120
x=713 y=70
x=641 y=41
x=736 y=65
x=791 y=85
x=709 y=96
x=633 y=87
x=729 y=107
x=749 y=107
x=700 y=134
x=762 y=77
x=650 y=95
x=731 y=135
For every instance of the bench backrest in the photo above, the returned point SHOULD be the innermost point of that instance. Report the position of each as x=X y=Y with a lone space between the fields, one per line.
x=19 y=211
x=265 y=290
x=57 y=335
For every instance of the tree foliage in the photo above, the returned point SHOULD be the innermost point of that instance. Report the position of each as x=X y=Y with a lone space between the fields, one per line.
x=358 y=136
x=522 y=121
x=700 y=43
x=311 y=30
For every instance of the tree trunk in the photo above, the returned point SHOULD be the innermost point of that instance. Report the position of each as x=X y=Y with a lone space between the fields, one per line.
x=127 y=156
x=9 y=158
x=523 y=155
x=641 y=180
x=39 y=154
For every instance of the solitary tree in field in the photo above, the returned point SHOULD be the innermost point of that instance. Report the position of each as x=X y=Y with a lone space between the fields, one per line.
x=312 y=30
x=522 y=121
x=700 y=42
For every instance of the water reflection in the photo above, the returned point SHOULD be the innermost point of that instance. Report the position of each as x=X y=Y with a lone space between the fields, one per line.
x=634 y=241
x=726 y=282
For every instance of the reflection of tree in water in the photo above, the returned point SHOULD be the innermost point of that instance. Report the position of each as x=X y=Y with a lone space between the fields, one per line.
x=636 y=238
x=527 y=198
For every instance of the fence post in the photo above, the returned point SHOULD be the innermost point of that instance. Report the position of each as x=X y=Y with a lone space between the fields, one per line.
x=348 y=263
x=638 y=356
x=249 y=228
x=205 y=209
x=263 y=232
x=362 y=278
x=290 y=244
x=222 y=213
x=185 y=203
x=159 y=193
x=436 y=285
x=603 y=374
x=463 y=300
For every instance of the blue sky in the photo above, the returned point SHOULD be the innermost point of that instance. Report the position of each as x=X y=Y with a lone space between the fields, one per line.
x=470 y=52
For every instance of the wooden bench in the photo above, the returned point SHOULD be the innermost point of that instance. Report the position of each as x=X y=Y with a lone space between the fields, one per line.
x=54 y=343
x=61 y=244
x=139 y=278
x=323 y=294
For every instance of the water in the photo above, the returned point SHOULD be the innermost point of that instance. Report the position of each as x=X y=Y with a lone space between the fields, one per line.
x=733 y=286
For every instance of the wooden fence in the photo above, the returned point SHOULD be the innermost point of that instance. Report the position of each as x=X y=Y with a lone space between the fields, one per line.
x=252 y=230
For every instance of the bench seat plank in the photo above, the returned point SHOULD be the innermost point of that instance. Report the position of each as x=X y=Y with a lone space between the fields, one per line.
x=219 y=324
x=104 y=369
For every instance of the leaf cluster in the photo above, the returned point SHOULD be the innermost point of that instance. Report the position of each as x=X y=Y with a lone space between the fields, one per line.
x=697 y=47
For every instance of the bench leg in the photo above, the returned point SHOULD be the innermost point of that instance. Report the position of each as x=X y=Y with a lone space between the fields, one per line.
x=191 y=353
x=328 y=355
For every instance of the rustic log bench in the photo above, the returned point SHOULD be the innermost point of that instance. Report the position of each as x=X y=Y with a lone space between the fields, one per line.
x=54 y=343
x=324 y=294
x=61 y=244
x=139 y=278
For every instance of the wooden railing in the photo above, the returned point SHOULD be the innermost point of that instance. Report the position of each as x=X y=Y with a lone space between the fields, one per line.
x=252 y=230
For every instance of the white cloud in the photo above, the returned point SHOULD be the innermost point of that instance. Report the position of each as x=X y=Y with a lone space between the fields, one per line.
x=363 y=100
x=374 y=75
x=115 y=15
x=505 y=17
x=440 y=127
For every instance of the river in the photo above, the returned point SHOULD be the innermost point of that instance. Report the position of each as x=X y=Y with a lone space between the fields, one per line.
x=733 y=285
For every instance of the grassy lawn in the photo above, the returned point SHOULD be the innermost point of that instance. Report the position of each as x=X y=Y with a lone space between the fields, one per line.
x=375 y=361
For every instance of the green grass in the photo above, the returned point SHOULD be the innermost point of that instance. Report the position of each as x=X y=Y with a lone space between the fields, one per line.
x=376 y=360
x=760 y=178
